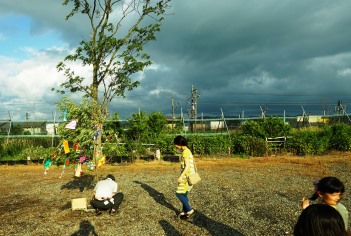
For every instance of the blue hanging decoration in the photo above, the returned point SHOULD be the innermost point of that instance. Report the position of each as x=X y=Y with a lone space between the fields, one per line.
x=65 y=113
x=96 y=135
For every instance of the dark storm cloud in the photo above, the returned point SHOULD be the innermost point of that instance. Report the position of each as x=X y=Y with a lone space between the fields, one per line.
x=254 y=53
x=238 y=54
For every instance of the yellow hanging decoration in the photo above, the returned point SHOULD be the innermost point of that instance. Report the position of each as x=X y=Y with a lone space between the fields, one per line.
x=102 y=161
x=66 y=147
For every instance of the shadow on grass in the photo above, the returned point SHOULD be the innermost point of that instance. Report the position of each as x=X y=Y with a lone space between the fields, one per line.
x=199 y=219
x=212 y=226
x=168 y=228
x=85 y=229
x=157 y=196
x=81 y=183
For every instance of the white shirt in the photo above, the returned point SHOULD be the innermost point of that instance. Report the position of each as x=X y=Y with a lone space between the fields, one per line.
x=105 y=189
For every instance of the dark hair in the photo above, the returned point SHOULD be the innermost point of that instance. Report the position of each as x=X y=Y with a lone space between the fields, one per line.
x=320 y=220
x=328 y=185
x=180 y=140
x=109 y=176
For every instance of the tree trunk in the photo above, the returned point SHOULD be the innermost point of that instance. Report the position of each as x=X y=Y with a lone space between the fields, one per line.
x=97 y=148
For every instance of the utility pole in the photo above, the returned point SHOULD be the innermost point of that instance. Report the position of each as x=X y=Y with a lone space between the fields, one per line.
x=173 y=108
x=172 y=112
x=193 y=107
x=194 y=97
x=341 y=110
x=338 y=110
x=10 y=126
x=305 y=117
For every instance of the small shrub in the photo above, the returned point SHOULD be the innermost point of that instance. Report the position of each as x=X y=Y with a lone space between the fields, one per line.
x=340 y=139
x=309 y=142
x=249 y=145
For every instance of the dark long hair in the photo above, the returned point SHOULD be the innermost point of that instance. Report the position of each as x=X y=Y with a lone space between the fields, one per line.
x=320 y=220
x=328 y=185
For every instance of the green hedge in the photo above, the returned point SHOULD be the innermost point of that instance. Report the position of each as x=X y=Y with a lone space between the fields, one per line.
x=310 y=141
x=19 y=148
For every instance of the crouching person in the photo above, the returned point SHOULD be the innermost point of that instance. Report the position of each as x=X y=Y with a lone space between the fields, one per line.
x=106 y=196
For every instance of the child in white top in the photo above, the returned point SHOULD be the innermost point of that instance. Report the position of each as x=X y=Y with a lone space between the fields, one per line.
x=330 y=191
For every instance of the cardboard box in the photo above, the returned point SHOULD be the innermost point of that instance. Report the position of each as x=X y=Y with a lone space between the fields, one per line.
x=79 y=204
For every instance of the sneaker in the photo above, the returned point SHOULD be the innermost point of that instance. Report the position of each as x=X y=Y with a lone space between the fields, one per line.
x=97 y=212
x=188 y=214
x=182 y=214
x=113 y=211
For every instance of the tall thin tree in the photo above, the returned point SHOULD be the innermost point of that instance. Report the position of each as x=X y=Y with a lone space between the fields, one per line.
x=113 y=52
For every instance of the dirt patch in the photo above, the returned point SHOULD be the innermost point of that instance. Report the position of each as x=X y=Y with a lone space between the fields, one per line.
x=256 y=196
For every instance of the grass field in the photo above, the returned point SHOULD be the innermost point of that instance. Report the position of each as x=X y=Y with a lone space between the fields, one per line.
x=255 y=196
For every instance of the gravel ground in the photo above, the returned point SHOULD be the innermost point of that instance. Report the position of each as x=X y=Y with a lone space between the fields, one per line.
x=256 y=196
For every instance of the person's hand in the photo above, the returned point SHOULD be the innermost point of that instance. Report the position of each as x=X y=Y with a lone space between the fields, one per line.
x=180 y=179
x=305 y=203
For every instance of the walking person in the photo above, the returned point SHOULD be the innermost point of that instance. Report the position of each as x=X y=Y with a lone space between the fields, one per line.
x=187 y=167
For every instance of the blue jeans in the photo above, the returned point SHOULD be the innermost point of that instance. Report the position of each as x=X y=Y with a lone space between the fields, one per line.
x=183 y=197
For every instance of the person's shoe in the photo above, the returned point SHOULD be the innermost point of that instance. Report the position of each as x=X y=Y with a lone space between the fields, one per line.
x=188 y=215
x=113 y=211
x=98 y=212
x=180 y=215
